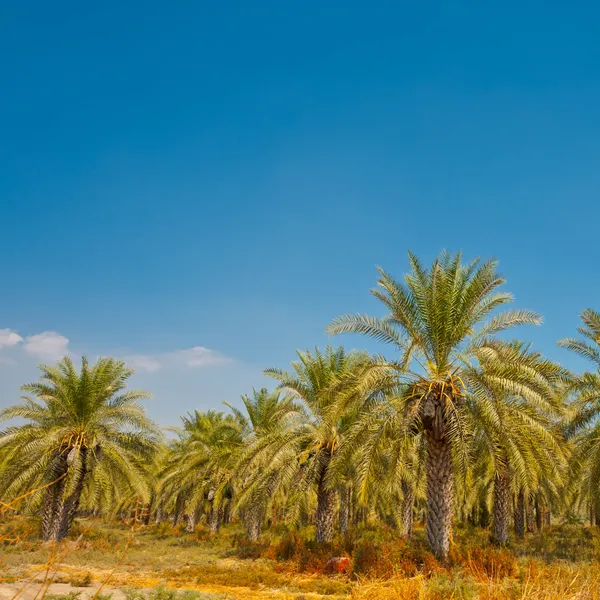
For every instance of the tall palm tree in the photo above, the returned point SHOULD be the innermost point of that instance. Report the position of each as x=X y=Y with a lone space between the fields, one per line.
x=299 y=454
x=318 y=383
x=441 y=320
x=386 y=460
x=77 y=424
x=520 y=432
x=584 y=425
x=267 y=414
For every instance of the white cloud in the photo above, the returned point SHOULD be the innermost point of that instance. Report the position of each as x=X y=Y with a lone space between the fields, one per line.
x=195 y=357
x=8 y=338
x=47 y=345
x=143 y=362
x=199 y=356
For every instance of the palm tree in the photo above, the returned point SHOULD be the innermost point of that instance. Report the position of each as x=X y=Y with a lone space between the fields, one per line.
x=385 y=460
x=80 y=424
x=318 y=383
x=267 y=414
x=441 y=320
x=298 y=455
x=199 y=472
x=519 y=432
x=584 y=425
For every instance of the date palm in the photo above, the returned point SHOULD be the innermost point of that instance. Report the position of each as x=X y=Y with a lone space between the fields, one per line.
x=440 y=320
x=199 y=471
x=78 y=424
x=266 y=414
x=519 y=432
x=385 y=457
x=584 y=425
x=299 y=454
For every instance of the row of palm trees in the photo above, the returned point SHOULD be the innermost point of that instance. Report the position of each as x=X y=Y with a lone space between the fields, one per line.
x=458 y=421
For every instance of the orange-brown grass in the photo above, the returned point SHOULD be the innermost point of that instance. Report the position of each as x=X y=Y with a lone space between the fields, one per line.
x=378 y=564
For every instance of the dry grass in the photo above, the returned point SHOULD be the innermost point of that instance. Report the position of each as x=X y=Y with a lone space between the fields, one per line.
x=562 y=563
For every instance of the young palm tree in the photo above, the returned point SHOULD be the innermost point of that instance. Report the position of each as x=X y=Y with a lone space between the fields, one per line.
x=199 y=472
x=82 y=423
x=584 y=425
x=437 y=322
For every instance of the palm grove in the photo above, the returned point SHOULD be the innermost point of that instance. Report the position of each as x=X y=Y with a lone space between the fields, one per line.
x=455 y=420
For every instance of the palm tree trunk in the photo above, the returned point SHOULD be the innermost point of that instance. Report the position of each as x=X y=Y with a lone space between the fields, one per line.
x=539 y=513
x=325 y=508
x=501 y=509
x=440 y=491
x=529 y=516
x=192 y=520
x=67 y=507
x=345 y=497
x=227 y=513
x=408 y=501
x=52 y=496
x=214 y=519
x=254 y=521
x=178 y=511
x=520 y=514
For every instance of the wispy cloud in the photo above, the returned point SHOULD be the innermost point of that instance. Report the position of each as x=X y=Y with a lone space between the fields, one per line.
x=48 y=345
x=9 y=338
x=51 y=346
x=195 y=358
x=143 y=362
x=199 y=356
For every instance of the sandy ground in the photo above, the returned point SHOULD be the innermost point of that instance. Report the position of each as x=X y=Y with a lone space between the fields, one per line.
x=28 y=591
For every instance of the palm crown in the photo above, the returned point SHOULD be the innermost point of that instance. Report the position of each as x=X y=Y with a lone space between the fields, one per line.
x=77 y=424
x=443 y=321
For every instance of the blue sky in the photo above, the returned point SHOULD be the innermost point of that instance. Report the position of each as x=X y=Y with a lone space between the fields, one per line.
x=226 y=175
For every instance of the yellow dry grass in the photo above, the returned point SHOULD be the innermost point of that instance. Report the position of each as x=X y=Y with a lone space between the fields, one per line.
x=117 y=557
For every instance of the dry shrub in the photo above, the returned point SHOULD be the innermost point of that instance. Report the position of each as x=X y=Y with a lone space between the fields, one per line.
x=286 y=549
x=488 y=562
x=537 y=582
x=245 y=549
x=400 y=558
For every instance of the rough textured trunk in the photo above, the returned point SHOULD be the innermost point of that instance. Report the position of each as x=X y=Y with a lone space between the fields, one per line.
x=191 y=521
x=53 y=495
x=214 y=519
x=158 y=515
x=66 y=507
x=325 y=507
x=501 y=509
x=440 y=491
x=529 y=514
x=254 y=521
x=539 y=513
x=548 y=517
x=178 y=514
x=520 y=514
x=440 y=475
x=345 y=498
x=408 y=501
